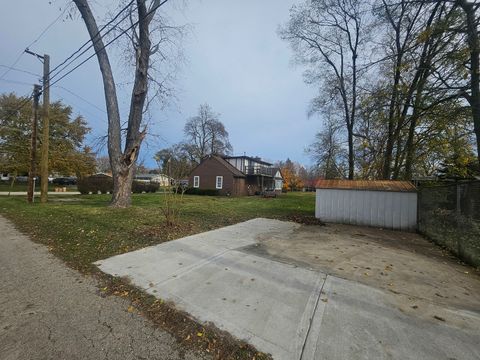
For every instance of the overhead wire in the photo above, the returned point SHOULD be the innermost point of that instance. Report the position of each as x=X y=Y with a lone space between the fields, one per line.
x=90 y=41
x=107 y=44
x=42 y=33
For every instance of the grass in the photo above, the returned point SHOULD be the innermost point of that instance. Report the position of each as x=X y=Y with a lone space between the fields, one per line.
x=82 y=229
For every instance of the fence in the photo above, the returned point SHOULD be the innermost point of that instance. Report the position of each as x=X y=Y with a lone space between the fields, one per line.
x=449 y=214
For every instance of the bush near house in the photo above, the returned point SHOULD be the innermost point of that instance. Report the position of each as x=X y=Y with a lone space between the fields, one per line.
x=104 y=184
x=139 y=187
x=95 y=184
x=197 y=191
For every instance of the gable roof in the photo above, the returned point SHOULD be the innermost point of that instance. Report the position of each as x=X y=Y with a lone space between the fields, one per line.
x=376 y=185
x=235 y=172
x=274 y=171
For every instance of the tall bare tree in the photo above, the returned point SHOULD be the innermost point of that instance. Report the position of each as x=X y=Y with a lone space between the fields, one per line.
x=327 y=36
x=123 y=161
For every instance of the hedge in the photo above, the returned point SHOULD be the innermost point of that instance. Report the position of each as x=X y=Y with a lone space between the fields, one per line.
x=103 y=185
x=95 y=185
x=197 y=191
x=138 y=187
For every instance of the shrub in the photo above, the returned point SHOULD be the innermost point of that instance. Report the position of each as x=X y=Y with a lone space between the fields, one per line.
x=95 y=184
x=139 y=186
x=103 y=184
x=197 y=191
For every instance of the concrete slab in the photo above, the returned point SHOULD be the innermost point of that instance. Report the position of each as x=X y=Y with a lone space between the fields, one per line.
x=360 y=322
x=265 y=281
x=266 y=303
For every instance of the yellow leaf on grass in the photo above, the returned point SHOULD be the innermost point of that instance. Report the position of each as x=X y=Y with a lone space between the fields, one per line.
x=199 y=334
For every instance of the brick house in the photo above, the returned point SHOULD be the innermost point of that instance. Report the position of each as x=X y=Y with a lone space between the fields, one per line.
x=236 y=175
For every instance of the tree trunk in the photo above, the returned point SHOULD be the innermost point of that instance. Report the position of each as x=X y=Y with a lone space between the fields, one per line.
x=122 y=188
x=351 y=156
x=474 y=47
x=123 y=163
x=114 y=137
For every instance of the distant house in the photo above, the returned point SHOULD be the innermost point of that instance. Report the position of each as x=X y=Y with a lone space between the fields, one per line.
x=160 y=179
x=236 y=175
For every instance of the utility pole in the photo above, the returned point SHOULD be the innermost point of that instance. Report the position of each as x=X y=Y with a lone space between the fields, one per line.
x=33 y=144
x=46 y=130
x=45 y=125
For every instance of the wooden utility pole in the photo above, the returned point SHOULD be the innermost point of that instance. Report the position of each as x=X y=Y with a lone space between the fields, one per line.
x=45 y=125
x=45 y=130
x=33 y=144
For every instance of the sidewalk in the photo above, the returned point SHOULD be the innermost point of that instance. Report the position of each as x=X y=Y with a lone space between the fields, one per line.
x=48 y=311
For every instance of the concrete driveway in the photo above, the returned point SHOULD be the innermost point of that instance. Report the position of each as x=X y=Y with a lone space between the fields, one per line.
x=313 y=292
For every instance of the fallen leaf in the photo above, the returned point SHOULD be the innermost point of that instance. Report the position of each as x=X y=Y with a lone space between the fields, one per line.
x=131 y=309
x=199 y=334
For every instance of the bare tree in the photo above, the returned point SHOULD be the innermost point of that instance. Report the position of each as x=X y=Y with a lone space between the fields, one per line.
x=328 y=152
x=206 y=135
x=123 y=161
x=327 y=36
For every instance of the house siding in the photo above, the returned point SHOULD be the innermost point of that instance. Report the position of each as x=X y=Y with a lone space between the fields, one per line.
x=208 y=171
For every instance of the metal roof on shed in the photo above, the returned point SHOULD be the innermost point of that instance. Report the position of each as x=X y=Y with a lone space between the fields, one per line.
x=375 y=185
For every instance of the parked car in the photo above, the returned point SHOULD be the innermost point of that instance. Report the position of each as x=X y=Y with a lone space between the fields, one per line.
x=63 y=181
x=21 y=178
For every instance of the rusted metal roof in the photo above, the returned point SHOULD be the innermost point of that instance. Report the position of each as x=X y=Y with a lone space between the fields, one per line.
x=375 y=185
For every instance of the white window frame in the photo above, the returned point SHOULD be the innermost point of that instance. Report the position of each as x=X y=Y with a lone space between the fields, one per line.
x=196 y=181
x=221 y=182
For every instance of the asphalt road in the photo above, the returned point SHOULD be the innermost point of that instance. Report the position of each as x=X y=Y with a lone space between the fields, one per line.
x=48 y=311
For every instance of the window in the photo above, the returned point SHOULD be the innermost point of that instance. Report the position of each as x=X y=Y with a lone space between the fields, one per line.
x=219 y=182
x=196 y=181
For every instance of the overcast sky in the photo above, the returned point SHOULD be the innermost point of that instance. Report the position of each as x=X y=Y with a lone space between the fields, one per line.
x=235 y=62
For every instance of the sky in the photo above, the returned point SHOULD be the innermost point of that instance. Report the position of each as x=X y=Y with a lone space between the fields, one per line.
x=235 y=62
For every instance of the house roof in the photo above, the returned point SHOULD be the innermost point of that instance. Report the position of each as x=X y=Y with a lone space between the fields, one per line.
x=275 y=170
x=376 y=185
x=230 y=167
x=256 y=159
x=150 y=176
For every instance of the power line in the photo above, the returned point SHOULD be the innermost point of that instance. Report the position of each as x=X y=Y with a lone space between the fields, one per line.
x=92 y=40
x=81 y=98
x=16 y=82
x=23 y=103
x=49 y=26
x=110 y=42
x=32 y=43
x=19 y=70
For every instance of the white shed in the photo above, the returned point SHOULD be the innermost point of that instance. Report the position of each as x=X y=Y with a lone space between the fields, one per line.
x=387 y=204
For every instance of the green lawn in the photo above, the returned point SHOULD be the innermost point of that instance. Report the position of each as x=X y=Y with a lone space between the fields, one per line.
x=83 y=229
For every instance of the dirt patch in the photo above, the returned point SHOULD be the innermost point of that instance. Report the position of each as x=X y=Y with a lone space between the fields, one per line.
x=304 y=219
